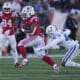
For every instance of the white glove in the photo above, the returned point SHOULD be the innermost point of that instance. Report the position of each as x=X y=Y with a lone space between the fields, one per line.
x=56 y=47
x=7 y=32
x=67 y=31
x=22 y=30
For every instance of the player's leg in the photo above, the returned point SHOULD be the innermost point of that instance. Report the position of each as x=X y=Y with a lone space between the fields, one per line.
x=30 y=41
x=44 y=56
x=2 y=39
x=13 y=45
x=70 y=55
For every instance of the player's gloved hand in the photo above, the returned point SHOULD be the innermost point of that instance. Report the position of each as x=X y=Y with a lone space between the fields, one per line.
x=67 y=31
x=22 y=30
x=56 y=47
x=7 y=32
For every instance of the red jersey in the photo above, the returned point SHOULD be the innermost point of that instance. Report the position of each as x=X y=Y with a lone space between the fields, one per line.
x=32 y=24
x=7 y=22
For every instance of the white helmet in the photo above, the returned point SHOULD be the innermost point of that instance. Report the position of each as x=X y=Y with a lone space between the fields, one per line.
x=50 y=30
x=7 y=8
x=27 y=12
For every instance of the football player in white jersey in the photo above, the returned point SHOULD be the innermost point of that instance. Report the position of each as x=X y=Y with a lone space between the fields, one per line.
x=61 y=38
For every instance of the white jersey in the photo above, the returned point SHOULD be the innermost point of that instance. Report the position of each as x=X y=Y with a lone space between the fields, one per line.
x=65 y=41
x=60 y=38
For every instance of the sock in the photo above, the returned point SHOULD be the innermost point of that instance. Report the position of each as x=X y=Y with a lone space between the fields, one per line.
x=15 y=57
x=0 y=53
x=72 y=64
x=22 y=50
x=48 y=60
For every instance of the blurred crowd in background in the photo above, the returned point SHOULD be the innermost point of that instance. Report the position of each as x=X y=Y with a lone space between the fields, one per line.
x=45 y=10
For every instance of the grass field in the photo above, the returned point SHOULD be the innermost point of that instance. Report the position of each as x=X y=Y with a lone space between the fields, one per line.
x=36 y=70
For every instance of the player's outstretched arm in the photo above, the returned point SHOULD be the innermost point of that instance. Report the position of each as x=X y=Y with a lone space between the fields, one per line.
x=49 y=45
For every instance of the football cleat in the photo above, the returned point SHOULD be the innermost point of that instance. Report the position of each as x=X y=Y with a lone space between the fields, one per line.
x=25 y=62
x=18 y=65
x=56 y=68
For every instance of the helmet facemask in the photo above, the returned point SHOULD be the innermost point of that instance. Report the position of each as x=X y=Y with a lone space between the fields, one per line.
x=50 y=30
x=24 y=16
x=27 y=12
x=7 y=8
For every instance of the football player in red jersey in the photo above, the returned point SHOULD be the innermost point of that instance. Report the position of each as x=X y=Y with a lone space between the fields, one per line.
x=8 y=29
x=35 y=38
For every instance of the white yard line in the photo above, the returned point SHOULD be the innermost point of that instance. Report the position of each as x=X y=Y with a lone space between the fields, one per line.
x=31 y=56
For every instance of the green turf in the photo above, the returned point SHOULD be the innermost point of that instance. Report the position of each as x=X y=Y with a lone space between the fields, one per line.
x=61 y=51
x=36 y=70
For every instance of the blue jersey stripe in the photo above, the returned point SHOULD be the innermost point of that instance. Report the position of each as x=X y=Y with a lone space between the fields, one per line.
x=69 y=53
